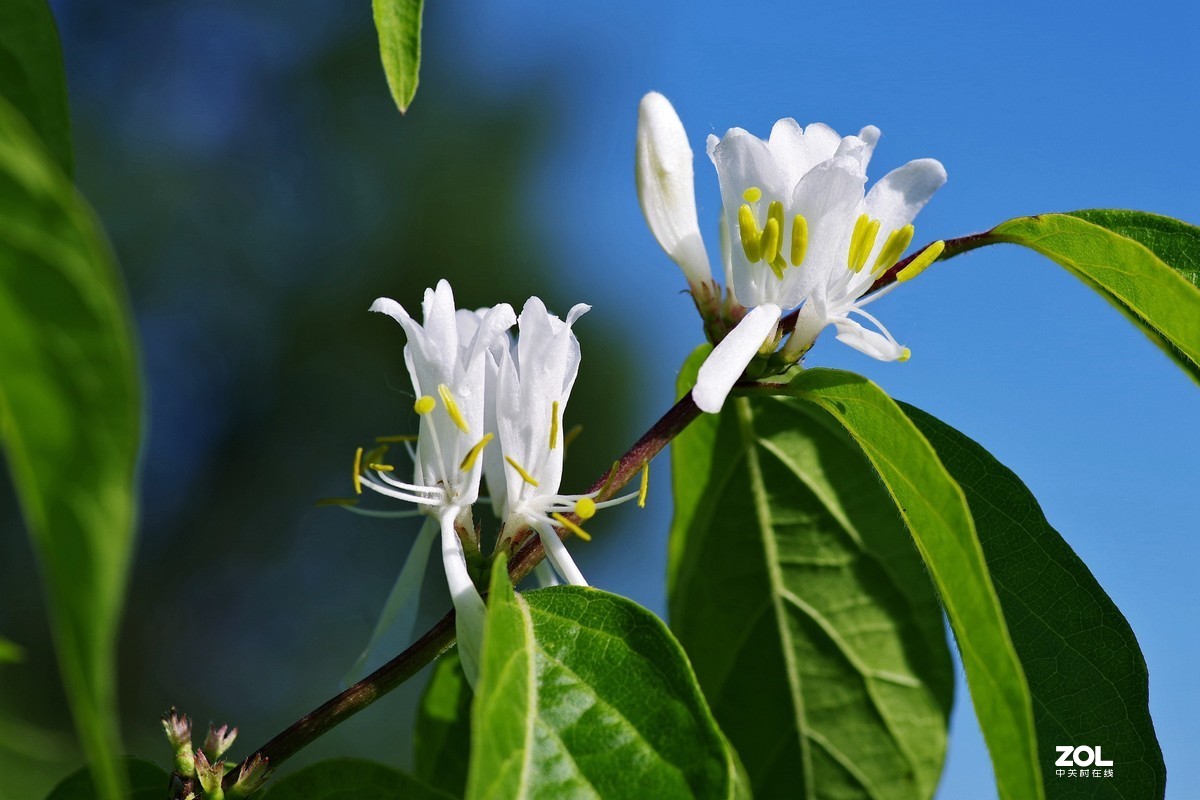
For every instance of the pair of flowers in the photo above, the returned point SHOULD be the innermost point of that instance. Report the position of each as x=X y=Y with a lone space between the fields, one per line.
x=489 y=408
x=798 y=230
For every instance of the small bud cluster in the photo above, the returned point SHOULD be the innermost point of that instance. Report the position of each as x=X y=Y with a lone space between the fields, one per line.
x=206 y=765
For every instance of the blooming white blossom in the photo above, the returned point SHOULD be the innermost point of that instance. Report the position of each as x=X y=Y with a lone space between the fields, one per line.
x=798 y=229
x=532 y=383
x=446 y=356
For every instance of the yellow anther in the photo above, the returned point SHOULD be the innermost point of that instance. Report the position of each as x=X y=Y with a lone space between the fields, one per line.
x=905 y=355
x=358 y=471
x=469 y=460
x=424 y=404
x=775 y=212
x=752 y=195
x=645 y=484
x=865 y=245
x=608 y=482
x=572 y=435
x=525 y=476
x=572 y=527
x=336 y=501
x=917 y=265
x=404 y=437
x=452 y=408
x=375 y=454
x=769 y=243
x=895 y=245
x=748 y=229
x=382 y=467
x=554 y=425
x=778 y=265
x=799 y=239
x=585 y=508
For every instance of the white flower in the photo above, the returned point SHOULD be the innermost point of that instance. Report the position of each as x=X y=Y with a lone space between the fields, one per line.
x=446 y=358
x=797 y=229
x=532 y=383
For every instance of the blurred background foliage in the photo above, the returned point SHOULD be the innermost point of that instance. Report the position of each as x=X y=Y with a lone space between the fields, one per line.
x=260 y=191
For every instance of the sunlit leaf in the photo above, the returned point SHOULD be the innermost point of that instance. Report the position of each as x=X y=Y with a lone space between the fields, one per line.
x=146 y=781
x=442 y=735
x=398 y=23
x=797 y=593
x=350 y=779
x=69 y=419
x=32 y=77
x=584 y=694
x=1085 y=670
x=937 y=515
x=1146 y=265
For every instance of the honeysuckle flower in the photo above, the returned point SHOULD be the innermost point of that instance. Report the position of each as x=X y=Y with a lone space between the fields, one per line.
x=797 y=229
x=446 y=359
x=532 y=382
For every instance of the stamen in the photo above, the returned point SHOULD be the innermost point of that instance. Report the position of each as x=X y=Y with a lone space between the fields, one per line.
x=905 y=355
x=799 y=239
x=752 y=195
x=778 y=265
x=585 y=507
x=469 y=460
x=608 y=482
x=424 y=404
x=404 y=437
x=897 y=242
x=748 y=229
x=572 y=435
x=917 y=265
x=375 y=455
x=336 y=501
x=382 y=467
x=865 y=245
x=645 y=484
x=769 y=243
x=525 y=476
x=571 y=526
x=358 y=471
x=553 y=424
x=860 y=227
x=775 y=212
x=452 y=408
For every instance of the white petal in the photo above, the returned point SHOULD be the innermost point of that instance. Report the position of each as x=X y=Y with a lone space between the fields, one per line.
x=400 y=609
x=729 y=359
x=867 y=341
x=899 y=195
x=666 y=187
x=557 y=553
x=469 y=610
x=829 y=197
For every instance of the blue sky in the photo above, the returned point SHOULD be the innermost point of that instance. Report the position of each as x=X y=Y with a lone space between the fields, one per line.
x=1032 y=107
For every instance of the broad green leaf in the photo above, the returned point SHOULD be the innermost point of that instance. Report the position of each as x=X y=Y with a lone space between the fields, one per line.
x=398 y=23
x=1085 y=671
x=937 y=515
x=69 y=419
x=146 y=781
x=32 y=77
x=350 y=779
x=1146 y=265
x=805 y=608
x=584 y=694
x=442 y=736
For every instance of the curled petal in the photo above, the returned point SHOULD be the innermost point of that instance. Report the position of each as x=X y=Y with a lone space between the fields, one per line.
x=728 y=360
x=557 y=554
x=666 y=188
x=469 y=610
x=869 y=342
x=899 y=195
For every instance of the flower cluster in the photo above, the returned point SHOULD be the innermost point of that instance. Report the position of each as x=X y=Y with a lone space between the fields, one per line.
x=491 y=408
x=799 y=231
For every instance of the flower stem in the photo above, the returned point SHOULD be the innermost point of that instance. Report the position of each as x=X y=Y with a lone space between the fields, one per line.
x=440 y=637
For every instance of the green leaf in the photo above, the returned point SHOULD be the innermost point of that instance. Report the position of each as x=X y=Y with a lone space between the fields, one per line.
x=937 y=515
x=399 y=25
x=804 y=606
x=146 y=781
x=584 y=694
x=442 y=736
x=350 y=779
x=32 y=76
x=1146 y=265
x=10 y=652
x=69 y=419
x=1085 y=671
